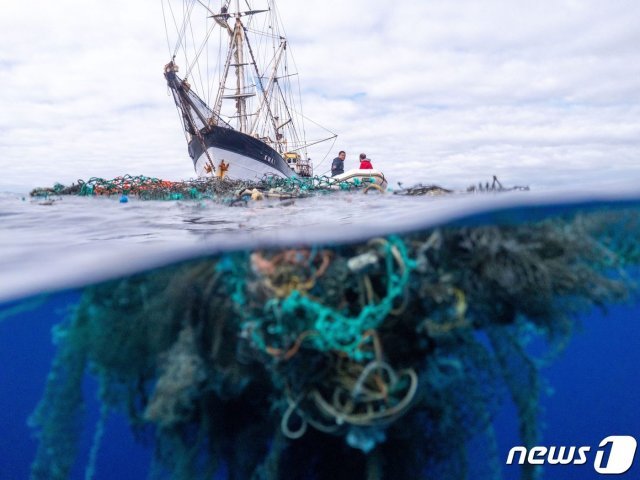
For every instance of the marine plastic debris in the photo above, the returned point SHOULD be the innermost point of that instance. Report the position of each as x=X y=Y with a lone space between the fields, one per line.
x=436 y=190
x=225 y=190
x=495 y=186
x=375 y=360
x=420 y=189
x=239 y=192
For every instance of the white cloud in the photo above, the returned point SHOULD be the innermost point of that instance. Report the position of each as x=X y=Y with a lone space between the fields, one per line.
x=542 y=93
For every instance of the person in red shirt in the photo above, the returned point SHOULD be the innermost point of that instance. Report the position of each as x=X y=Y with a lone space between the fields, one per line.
x=365 y=163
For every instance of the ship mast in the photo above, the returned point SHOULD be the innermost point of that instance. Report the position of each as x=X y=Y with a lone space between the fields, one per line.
x=238 y=40
x=236 y=55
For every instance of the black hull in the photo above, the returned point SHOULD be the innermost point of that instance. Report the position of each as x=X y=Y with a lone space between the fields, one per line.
x=239 y=145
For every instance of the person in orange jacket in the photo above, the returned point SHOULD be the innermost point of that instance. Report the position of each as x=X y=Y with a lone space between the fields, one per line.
x=365 y=163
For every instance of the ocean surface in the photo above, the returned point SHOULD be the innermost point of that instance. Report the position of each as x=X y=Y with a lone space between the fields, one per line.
x=571 y=382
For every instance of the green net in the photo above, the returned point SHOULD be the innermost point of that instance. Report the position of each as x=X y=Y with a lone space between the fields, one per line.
x=150 y=188
x=382 y=359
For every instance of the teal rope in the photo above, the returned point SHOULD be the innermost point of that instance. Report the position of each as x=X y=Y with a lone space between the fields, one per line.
x=335 y=331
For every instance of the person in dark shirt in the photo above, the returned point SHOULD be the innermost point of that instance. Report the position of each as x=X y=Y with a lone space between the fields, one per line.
x=365 y=163
x=337 y=167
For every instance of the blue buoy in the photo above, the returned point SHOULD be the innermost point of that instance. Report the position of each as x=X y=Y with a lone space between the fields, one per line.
x=124 y=199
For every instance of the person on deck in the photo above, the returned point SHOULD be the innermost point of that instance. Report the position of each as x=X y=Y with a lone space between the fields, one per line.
x=337 y=167
x=365 y=163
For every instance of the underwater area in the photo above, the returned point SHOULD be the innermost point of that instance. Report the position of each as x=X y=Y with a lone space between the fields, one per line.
x=340 y=336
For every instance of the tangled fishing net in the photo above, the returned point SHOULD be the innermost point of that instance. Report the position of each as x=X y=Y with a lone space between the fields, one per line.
x=376 y=360
x=149 y=188
x=234 y=192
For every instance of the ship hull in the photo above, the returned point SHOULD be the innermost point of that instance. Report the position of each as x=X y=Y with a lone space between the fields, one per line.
x=245 y=157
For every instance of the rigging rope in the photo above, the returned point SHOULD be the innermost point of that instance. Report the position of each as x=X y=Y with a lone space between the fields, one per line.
x=181 y=31
x=327 y=154
x=166 y=28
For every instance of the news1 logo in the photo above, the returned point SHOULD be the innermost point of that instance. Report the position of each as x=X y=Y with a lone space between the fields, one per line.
x=621 y=452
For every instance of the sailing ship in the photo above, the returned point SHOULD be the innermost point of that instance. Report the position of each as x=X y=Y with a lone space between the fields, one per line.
x=237 y=100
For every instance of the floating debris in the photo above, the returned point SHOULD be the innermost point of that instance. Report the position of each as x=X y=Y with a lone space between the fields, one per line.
x=226 y=190
x=373 y=360
x=421 y=189
x=437 y=190
x=495 y=186
x=240 y=192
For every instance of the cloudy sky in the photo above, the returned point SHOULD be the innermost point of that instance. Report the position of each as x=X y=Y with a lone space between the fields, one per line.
x=544 y=93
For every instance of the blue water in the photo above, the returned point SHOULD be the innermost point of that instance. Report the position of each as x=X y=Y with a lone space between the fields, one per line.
x=591 y=391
